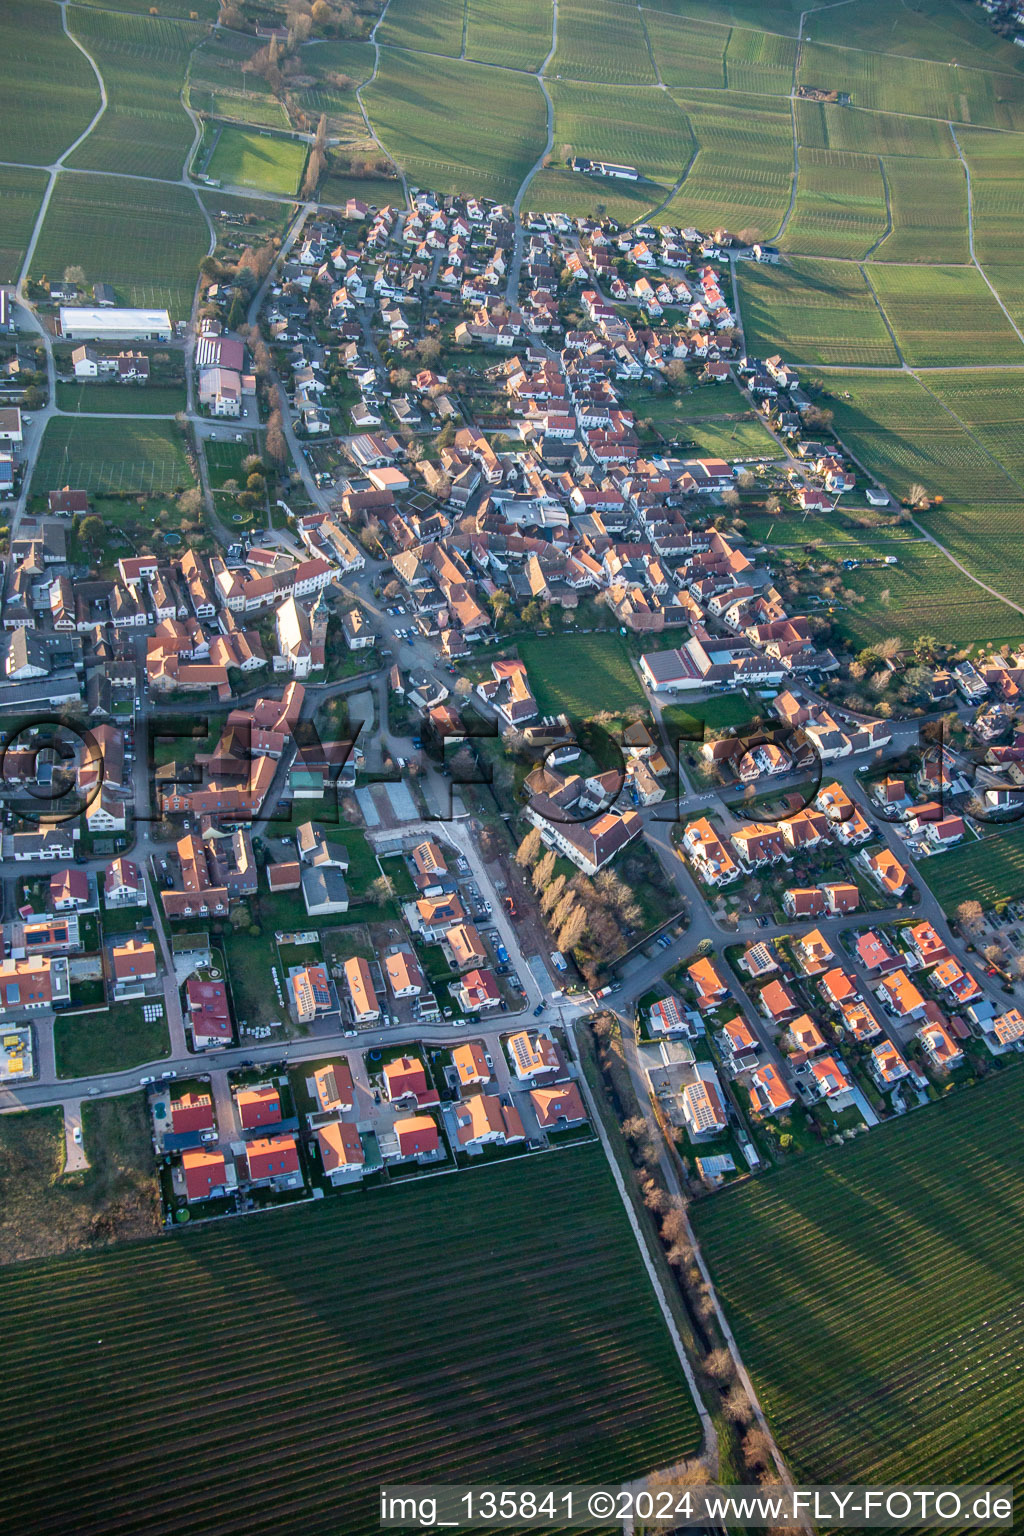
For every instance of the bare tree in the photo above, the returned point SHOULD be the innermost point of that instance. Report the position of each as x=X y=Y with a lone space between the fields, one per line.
x=529 y=848
x=543 y=871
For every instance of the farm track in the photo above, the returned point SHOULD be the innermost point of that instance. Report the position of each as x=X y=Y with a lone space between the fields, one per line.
x=515 y=266
x=888 y=212
x=970 y=235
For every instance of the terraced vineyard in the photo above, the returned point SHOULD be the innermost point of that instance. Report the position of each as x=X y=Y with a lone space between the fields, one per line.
x=490 y=39
x=602 y=40
x=840 y=205
x=942 y=315
x=505 y=1356
x=814 y=312
x=875 y=1293
x=145 y=130
x=21 y=195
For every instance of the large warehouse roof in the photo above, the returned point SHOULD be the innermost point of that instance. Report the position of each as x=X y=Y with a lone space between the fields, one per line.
x=82 y=321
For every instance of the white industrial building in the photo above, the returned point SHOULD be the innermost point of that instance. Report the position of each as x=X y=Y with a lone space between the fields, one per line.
x=114 y=324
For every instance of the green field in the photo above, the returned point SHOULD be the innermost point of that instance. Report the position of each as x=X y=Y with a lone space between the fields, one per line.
x=602 y=40
x=145 y=130
x=88 y=1043
x=813 y=312
x=507 y=1357
x=432 y=26
x=928 y=199
x=124 y=399
x=919 y=87
x=742 y=176
x=610 y=122
x=246 y=158
x=21 y=194
x=583 y=675
x=490 y=39
x=875 y=1295
x=945 y=315
x=988 y=870
x=709 y=419
x=38 y=122
x=840 y=205
x=148 y=245
x=112 y=456
x=457 y=126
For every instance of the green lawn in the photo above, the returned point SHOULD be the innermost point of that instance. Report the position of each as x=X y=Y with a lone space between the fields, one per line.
x=124 y=399
x=582 y=675
x=133 y=456
x=88 y=1043
x=713 y=420
x=874 y=1292
x=988 y=870
x=717 y=714
x=270 y=1321
x=247 y=158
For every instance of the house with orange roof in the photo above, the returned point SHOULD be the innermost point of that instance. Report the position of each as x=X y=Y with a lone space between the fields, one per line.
x=417 y=1136
x=667 y=1018
x=885 y=869
x=758 y=844
x=533 y=1055
x=829 y=1078
x=477 y=990
x=768 y=1093
x=833 y=801
x=852 y=830
x=803 y=901
x=274 y=1160
x=206 y=1174
x=807 y=829
x=403 y=973
x=558 y=1106
x=740 y=1043
x=707 y=982
x=900 y=995
x=433 y=914
x=1005 y=1032
x=703 y=1109
x=875 y=953
x=362 y=997
x=481 y=1119
x=777 y=1002
x=711 y=860
x=942 y=1050
x=891 y=794
x=838 y=987
x=406 y=1077
x=950 y=977
x=258 y=1106
x=334 y=1088
x=857 y=1020
x=926 y=944
x=812 y=952
x=470 y=1062
x=840 y=896
x=758 y=960
x=807 y=1037
x=463 y=945
x=887 y=1066
x=341 y=1151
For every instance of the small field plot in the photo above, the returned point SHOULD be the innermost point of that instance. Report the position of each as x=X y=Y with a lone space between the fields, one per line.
x=925 y=1207
x=713 y=420
x=149 y=245
x=777 y=15
x=611 y=122
x=129 y=400
x=87 y=1043
x=688 y=53
x=374 y=191
x=490 y=38
x=919 y=87
x=456 y=126
x=743 y=172
x=245 y=158
x=602 y=40
x=334 y=71
x=320 y=1286
x=823 y=125
x=923 y=594
x=21 y=194
x=47 y=87
x=220 y=85
x=943 y=30
x=991 y=405
x=563 y=191
x=583 y=675
x=840 y=205
x=928 y=199
x=206 y=10
x=988 y=870
x=145 y=129
x=813 y=312
x=996 y=161
x=434 y=26
x=761 y=62
x=112 y=456
x=945 y=315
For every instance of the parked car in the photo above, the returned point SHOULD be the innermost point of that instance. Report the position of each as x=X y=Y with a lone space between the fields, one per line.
x=538 y=1010
x=77 y=1135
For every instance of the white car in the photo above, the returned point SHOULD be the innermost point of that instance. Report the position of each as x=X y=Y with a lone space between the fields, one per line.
x=145 y=1081
x=77 y=1135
